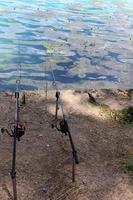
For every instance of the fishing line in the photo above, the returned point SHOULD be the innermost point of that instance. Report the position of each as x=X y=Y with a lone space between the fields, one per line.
x=54 y=84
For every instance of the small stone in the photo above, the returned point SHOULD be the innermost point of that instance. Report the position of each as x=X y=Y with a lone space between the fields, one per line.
x=44 y=190
x=40 y=135
x=84 y=182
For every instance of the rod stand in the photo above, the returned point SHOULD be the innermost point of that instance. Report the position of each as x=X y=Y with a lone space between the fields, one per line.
x=14 y=184
x=73 y=168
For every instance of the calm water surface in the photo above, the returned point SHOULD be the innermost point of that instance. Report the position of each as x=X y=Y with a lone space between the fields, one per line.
x=88 y=43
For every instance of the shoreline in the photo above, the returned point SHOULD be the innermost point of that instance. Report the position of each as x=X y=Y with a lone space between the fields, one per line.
x=104 y=147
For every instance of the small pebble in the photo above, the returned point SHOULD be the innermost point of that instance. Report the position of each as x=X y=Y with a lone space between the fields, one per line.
x=44 y=190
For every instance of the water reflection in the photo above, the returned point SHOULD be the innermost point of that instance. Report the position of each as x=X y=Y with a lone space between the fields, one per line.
x=88 y=43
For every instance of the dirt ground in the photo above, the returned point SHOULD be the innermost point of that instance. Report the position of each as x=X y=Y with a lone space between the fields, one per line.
x=44 y=161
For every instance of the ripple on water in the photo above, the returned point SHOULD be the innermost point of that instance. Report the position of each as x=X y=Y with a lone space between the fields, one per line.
x=87 y=41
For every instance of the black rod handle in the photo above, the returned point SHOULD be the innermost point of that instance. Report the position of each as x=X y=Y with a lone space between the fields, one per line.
x=74 y=152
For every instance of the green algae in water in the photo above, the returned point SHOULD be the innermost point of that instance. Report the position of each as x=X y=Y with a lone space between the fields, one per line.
x=99 y=31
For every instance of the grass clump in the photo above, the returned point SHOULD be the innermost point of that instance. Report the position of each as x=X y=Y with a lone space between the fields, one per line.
x=127 y=166
x=124 y=115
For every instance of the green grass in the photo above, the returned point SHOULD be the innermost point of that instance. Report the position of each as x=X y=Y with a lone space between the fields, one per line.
x=127 y=166
x=124 y=115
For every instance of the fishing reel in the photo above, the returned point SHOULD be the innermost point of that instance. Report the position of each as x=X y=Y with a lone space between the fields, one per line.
x=61 y=125
x=18 y=130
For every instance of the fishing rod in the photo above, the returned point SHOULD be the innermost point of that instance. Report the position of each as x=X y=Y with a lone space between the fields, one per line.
x=19 y=71
x=16 y=131
x=62 y=125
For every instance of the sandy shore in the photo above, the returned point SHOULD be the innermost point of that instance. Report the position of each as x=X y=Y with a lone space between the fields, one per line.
x=44 y=154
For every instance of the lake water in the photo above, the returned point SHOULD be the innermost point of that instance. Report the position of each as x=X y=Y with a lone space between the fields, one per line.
x=88 y=43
